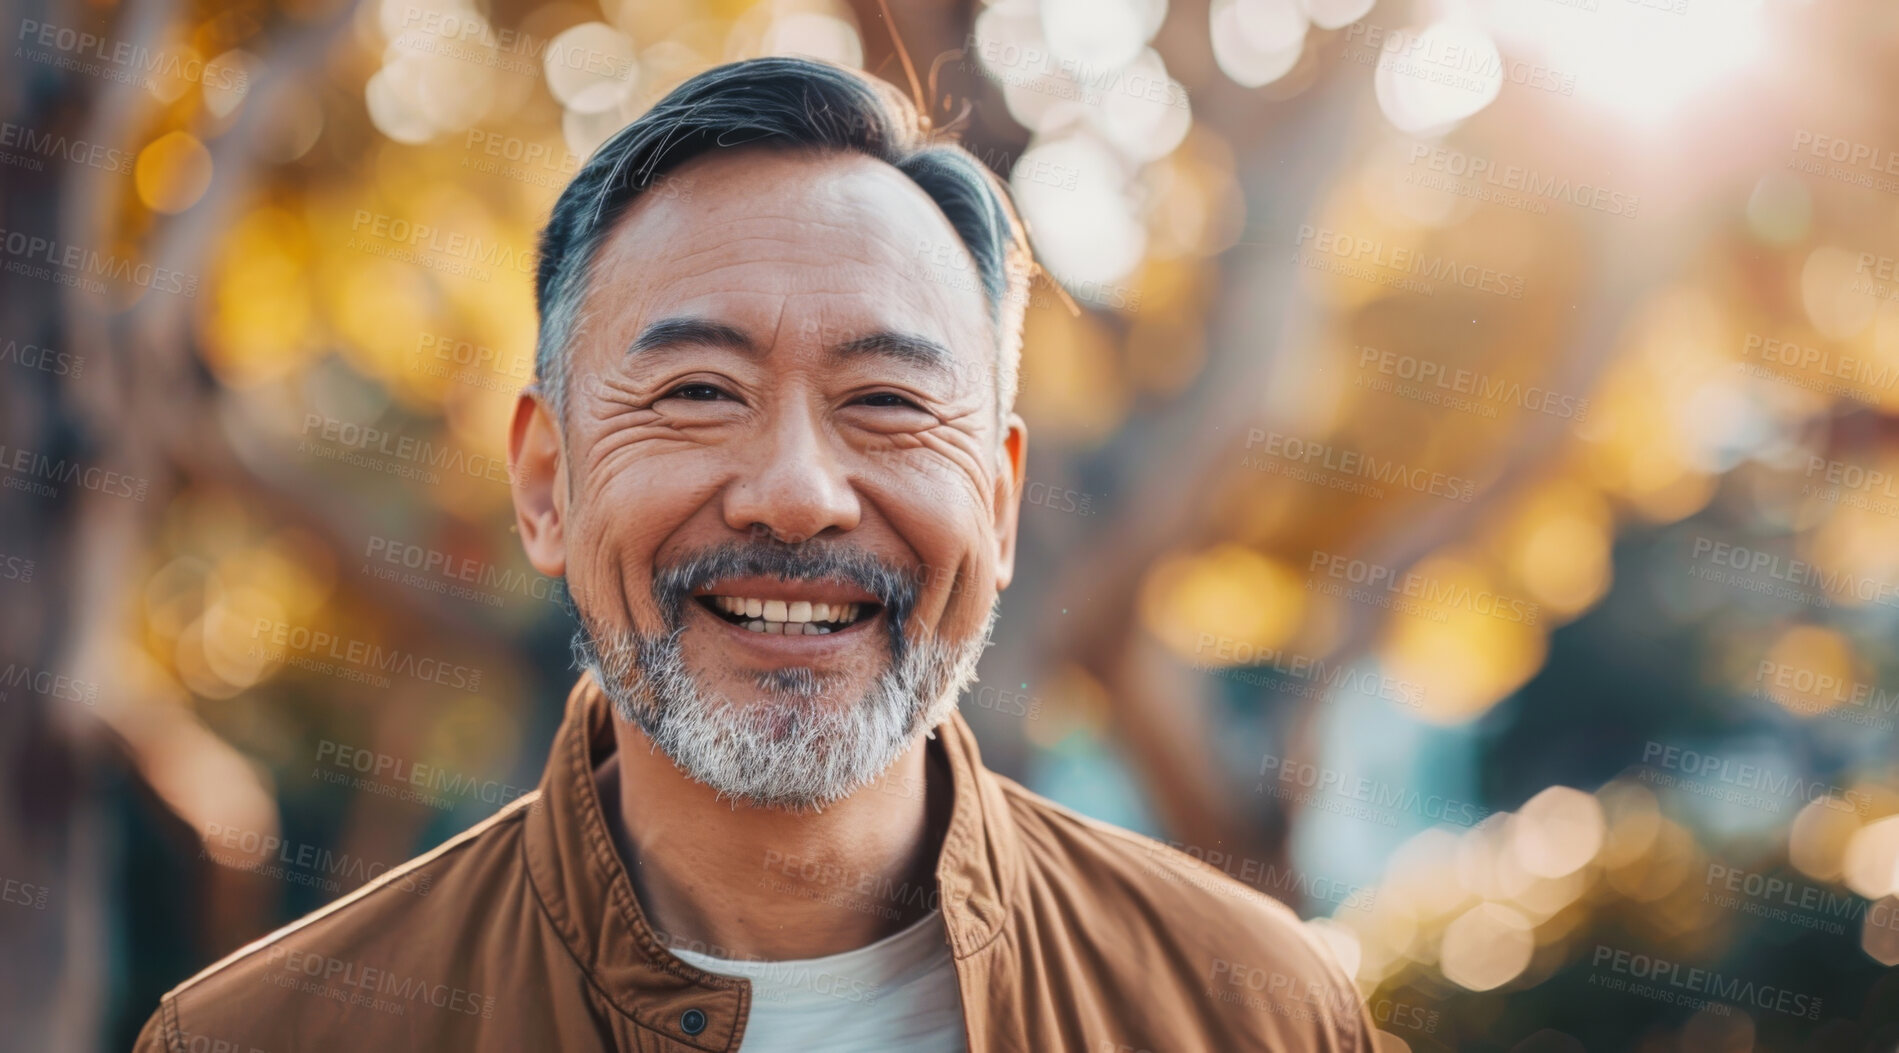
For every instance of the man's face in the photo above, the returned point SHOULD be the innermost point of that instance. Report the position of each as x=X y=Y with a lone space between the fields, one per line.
x=784 y=504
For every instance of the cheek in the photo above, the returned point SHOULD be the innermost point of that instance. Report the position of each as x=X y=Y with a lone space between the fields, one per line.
x=972 y=592
x=937 y=480
x=949 y=530
x=621 y=520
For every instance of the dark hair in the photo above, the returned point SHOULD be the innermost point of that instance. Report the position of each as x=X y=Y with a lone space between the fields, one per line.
x=797 y=104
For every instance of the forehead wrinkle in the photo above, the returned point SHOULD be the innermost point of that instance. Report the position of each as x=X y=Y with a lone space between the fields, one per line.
x=806 y=269
x=842 y=220
x=814 y=204
x=715 y=241
x=805 y=252
x=918 y=321
x=794 y=191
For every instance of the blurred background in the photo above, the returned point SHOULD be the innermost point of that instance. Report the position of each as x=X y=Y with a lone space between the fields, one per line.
x=1464 y=497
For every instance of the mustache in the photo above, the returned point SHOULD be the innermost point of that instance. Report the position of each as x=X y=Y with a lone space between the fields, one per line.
x=892 y=584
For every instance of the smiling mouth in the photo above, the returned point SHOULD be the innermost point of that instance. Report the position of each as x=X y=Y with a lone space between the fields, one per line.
x=788 y=617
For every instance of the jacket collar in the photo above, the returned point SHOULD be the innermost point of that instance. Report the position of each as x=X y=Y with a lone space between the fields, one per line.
x=583 y=886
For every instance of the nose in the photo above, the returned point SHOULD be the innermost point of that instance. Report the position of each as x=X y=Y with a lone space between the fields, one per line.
x=793 y=484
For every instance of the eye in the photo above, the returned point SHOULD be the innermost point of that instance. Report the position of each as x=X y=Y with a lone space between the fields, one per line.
x=698 y=391
x=888 y=398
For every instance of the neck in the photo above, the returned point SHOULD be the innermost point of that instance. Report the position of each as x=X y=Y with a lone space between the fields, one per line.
x=746 y=882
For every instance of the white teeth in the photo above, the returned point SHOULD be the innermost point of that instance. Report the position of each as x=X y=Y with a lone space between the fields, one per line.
x=788 y=617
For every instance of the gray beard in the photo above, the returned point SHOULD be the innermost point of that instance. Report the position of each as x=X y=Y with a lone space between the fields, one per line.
x=798 y=747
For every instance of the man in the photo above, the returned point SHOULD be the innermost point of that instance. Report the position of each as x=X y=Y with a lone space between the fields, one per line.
x=772 y=451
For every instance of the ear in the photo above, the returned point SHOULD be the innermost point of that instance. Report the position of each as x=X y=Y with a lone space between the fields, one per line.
x=539 y=483
x=1009 y=478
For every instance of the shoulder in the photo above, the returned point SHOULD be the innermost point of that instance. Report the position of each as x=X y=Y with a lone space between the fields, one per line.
x=1113 y=863
x=385 y=946
x=1234 y=943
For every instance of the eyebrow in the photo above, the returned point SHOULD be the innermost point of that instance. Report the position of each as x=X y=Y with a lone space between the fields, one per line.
x=672 y=332
x=904 y=347
x=883 y=343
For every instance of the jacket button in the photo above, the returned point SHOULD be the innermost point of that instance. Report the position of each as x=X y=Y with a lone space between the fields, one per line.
x=692 y=1021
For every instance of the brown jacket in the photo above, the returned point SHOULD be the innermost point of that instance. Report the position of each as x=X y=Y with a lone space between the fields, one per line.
x=523 y=934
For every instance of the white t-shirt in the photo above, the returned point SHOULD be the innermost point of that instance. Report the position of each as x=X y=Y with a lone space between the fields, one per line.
x=897 y=993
